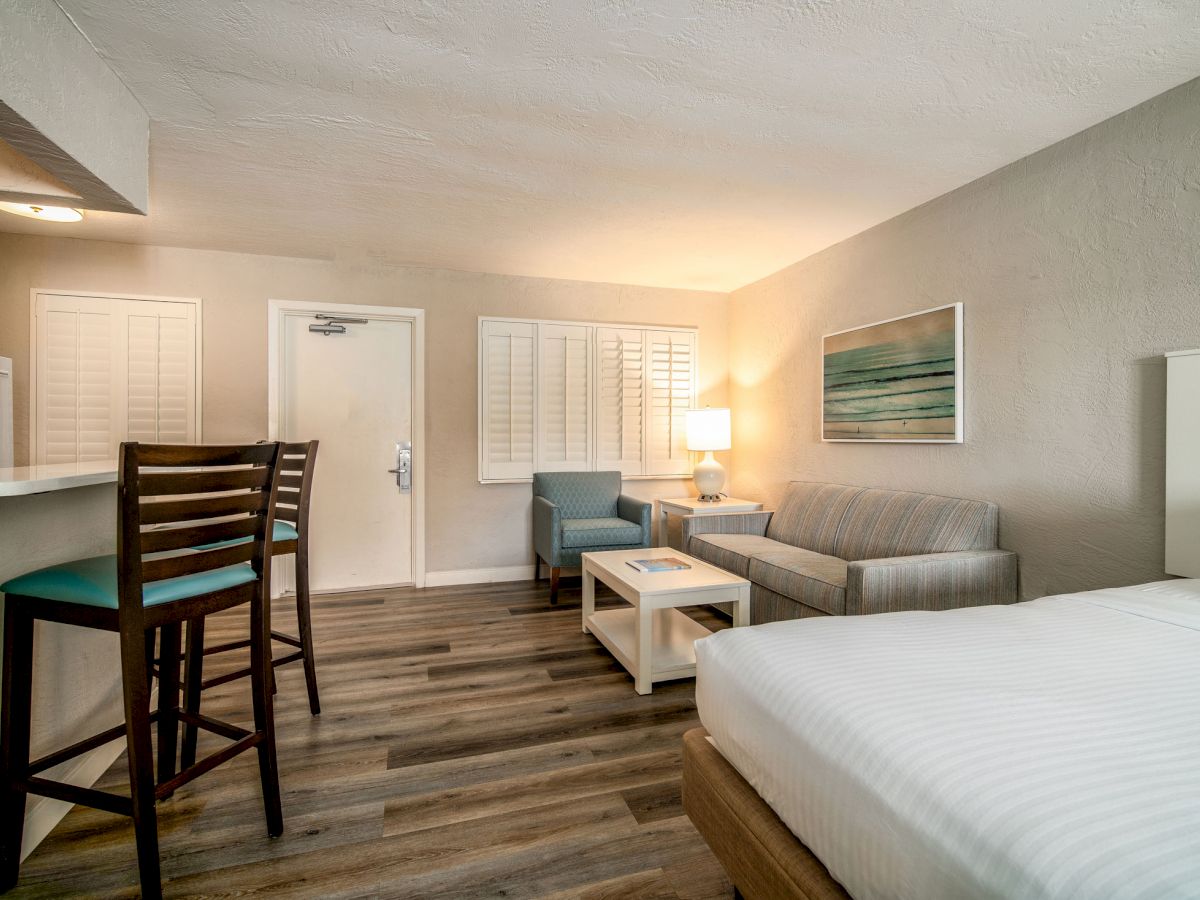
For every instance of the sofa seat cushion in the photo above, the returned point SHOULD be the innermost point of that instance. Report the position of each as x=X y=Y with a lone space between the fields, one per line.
x=600 y=532
x=813 y=579
x=732 y=552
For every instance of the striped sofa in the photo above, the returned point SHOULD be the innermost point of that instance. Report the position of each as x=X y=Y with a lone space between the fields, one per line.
x=833 y=549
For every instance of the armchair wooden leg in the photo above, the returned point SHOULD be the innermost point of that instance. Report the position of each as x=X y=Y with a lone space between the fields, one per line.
x=554 y=570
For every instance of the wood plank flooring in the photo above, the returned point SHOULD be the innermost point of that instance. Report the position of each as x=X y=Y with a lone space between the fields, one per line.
x=473 y=743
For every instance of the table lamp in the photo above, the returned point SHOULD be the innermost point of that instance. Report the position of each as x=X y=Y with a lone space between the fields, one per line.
x=708 y=430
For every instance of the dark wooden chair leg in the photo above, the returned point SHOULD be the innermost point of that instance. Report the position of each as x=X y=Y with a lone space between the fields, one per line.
x=168 y=701
x=151 y=657
x=304 y=618
x=537 y=568
x=17 y=692
x=141 y=762
x=193 y=675
x=554 y=570
x=264 y=715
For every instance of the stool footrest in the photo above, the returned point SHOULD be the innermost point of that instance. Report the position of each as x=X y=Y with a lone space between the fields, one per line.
x=167 y=788
x=223 y=679
x=51 y=760
x=222 y=648
x=286 y=639
x=70 y=793
x=216 y=726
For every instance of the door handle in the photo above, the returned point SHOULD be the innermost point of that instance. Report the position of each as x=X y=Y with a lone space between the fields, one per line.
x=403 y=470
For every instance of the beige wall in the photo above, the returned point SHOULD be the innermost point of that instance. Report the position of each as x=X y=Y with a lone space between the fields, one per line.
x=1078 y=267
x=469 y=525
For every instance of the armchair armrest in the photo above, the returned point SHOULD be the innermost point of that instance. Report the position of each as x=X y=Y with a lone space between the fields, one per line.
x=547 y=529
x=931 y=581
x=725 y=523
x=640 y=511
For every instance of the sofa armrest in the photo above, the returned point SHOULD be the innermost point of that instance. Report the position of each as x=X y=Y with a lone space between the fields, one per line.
x=547 y=530
x=931 y=581
x=725 y=523
x=638 y=511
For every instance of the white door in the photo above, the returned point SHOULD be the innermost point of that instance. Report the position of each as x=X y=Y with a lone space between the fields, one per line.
x=354 y=393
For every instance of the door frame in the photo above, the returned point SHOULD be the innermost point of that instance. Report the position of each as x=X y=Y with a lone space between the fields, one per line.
x=277 y=309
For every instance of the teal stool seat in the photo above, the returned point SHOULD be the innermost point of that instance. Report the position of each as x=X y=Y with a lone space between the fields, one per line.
x=284 y=531
x=93 y=582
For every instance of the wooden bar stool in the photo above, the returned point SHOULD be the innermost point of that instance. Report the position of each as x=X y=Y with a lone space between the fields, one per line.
x=154 y=581
x=290 y=535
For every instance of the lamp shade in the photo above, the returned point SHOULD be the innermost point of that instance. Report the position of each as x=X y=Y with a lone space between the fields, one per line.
x=708 y=429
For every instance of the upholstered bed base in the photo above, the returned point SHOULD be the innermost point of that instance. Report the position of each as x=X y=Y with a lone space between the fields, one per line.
x=763 y=858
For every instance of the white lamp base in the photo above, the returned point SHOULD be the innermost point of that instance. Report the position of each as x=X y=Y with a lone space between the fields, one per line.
x=709 y=476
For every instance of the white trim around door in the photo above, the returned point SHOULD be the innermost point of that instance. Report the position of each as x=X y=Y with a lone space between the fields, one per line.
x=276 y=309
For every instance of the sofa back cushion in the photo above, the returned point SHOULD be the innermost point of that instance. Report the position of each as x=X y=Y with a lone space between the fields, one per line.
x=580 y=495
x=880 y=524
x=810 y=514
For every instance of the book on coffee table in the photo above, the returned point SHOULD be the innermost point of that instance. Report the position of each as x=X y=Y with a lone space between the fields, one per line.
x=666 y=564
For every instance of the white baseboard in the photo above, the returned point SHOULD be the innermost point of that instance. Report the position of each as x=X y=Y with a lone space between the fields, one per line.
x=43 y=813
x=479 y=576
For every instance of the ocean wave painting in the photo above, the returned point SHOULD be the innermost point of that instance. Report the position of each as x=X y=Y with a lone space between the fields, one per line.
x=899 y=380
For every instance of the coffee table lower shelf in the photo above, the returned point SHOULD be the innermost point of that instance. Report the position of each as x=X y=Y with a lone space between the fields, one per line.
x=672 y=652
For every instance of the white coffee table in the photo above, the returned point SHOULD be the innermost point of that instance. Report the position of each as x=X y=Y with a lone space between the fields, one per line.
x=653 y=639
x=694 y=506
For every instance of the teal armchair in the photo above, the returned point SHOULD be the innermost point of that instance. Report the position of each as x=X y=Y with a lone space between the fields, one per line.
x=583 y=512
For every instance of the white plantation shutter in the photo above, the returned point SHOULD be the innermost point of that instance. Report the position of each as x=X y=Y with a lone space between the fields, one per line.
x=160 y=391
x=559 y=396
x=671 y=389
x=507 y=400
x=108 y=370
x=142 y=388
x=620 y=399
x=77 y=392
x=564 y=398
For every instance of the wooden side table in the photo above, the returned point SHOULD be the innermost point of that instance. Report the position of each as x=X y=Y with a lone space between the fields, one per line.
x=692 y=506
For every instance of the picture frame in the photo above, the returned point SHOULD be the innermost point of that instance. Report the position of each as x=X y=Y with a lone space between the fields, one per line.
x=897 y=381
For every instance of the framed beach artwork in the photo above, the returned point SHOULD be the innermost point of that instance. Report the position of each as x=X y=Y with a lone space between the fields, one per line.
x=896 y=381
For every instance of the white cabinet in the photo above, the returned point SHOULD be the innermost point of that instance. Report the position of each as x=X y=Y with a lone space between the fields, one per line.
x=1183 y=463
x=110 y=369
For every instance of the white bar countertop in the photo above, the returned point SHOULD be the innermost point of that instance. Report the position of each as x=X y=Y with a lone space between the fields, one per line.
x=16 y=481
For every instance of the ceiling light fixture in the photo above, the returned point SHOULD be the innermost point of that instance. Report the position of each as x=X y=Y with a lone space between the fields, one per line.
x=45 y=213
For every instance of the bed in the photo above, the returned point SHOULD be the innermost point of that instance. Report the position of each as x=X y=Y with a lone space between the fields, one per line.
x=1045 y=749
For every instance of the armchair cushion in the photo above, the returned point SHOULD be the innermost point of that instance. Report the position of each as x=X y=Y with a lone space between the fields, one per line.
x=600 y=531
x=731 y=552
x=814 y=579
x=580 y=495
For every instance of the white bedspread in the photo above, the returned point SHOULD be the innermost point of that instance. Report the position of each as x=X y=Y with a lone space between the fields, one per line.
x=1045 y=749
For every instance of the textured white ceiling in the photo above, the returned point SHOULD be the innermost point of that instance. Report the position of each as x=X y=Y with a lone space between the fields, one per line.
x=701 y=144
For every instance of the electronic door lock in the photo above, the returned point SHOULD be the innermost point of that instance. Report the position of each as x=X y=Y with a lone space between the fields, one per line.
x=403 y=470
